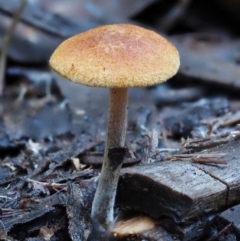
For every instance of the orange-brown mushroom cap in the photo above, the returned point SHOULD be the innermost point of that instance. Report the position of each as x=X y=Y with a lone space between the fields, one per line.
x=119 y=55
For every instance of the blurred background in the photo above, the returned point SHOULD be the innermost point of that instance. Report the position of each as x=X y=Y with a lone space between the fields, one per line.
x=206 y=33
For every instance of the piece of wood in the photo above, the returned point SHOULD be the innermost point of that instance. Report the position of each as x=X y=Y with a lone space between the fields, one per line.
x=155 y=234
x=197 y=62
x=232 y=215
x=190 y=231
x=226 y=225
x=178 y=190
x=33 y=16
x=227 y=174
x=170 y=233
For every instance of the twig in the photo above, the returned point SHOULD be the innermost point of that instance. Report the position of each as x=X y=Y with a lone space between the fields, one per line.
x=130 y=150
x=225 y=229
x=207 y=161
x=8 y=212
x=164 y=132
x=207 y=143
x=175 y=13
x=173 y=150
x=55 y=186
x=228 y=119
x=202 y=155
x=201 y=158
x=6 y=42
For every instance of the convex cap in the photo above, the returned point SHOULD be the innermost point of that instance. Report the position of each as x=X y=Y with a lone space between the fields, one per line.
x=119 y=55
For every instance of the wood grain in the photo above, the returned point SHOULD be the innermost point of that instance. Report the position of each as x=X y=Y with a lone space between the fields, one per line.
x=175 y=189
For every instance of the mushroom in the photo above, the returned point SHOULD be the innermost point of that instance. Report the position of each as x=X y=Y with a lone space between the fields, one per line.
x=115 y=56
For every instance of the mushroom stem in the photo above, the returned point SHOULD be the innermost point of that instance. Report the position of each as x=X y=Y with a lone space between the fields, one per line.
x=103 y=203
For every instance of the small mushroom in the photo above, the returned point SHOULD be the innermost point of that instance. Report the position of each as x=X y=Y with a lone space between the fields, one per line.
x=115 y=56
